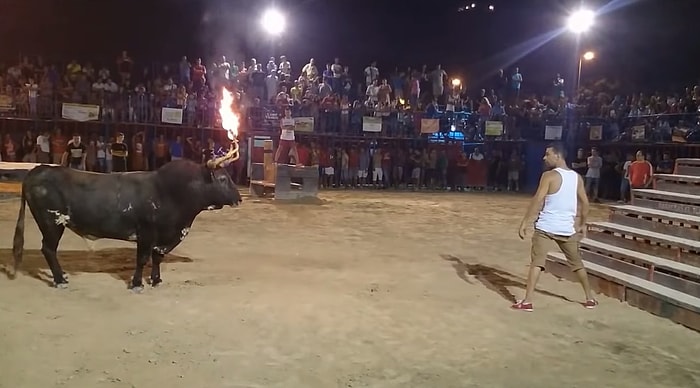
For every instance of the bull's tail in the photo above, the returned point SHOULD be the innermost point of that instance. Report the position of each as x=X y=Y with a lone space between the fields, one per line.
x=18 y=241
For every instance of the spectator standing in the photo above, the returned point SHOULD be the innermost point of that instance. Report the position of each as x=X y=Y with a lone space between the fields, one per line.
x=640 y=172
x=595 y=163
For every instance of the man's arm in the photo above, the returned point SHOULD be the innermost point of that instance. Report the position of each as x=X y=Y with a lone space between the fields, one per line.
x=537 y=201
x=649 y=177
x=582 y=213
x=64 y=158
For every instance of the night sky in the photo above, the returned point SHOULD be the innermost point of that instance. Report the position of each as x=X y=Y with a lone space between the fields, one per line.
x=648 y=44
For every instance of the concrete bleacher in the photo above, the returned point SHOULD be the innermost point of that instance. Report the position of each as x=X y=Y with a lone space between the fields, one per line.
x=648 y=253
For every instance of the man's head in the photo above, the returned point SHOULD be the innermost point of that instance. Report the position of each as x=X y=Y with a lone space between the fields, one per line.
x=594 y=151
x=580 y=154
x=76 y=138
x=639 y=156
x=120 y=137
x=555 y=156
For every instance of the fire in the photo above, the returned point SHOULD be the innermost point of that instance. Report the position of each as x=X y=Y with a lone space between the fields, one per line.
x=229 y=118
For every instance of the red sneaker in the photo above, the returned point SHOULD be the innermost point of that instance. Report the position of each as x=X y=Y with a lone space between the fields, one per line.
x=590 y=304
x=522 y=306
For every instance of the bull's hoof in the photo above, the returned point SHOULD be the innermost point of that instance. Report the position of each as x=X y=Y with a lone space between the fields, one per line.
x=156 y=282
x=61 y=286
x=137 y=289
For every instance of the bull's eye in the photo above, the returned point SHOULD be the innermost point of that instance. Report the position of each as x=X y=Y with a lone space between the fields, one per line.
x=222 y=179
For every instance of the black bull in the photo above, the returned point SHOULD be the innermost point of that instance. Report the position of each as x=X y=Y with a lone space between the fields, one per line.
x=155 y=208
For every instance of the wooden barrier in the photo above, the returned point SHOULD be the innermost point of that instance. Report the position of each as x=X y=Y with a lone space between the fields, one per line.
x=11 y=176
x=285 y=189
x=648 y=253
x=269 y=178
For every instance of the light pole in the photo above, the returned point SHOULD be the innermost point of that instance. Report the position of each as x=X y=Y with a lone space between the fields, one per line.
x=578 y=23
x=587 y=56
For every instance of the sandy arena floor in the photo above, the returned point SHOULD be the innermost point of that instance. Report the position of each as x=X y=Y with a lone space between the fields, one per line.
x=363 y=291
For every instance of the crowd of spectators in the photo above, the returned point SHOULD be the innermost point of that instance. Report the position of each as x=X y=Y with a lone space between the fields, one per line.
x=126 y=90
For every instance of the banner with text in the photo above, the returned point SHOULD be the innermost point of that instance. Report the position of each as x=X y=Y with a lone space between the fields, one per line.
x=80 y=112
x=553 y=132
x=171 y=115
x=429 y=125
x=494 y=128
x=304 y=124
x=371 y=124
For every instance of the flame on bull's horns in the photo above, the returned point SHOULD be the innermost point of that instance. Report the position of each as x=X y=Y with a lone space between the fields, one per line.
x=229 y=119
x=230 y=122
x=231 y=156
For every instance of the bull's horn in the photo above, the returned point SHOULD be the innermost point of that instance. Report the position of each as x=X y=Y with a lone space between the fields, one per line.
x=231 y=156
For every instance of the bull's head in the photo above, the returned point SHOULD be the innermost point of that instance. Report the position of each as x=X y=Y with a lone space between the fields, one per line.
x=225 y=191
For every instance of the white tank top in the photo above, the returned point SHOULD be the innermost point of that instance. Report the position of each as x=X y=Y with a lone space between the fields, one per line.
x=559 y=211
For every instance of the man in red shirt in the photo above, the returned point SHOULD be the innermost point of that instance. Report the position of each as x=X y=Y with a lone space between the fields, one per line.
x=640 y=172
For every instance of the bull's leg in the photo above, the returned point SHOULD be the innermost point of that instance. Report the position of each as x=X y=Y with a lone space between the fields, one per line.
x=144 y=247
x=156 y=259
x=51 y=231
x=49 y=246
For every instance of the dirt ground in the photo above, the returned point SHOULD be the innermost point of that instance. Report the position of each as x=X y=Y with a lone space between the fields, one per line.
x=365 y=290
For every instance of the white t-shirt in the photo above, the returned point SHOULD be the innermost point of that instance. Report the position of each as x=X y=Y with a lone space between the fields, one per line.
x=43 y=142
x=594 y=165
x=626 y=170
x=475 y=156
x=101 y=150
x=287 y=129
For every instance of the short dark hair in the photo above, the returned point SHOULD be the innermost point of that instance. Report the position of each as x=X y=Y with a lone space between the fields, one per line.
x=558 y=148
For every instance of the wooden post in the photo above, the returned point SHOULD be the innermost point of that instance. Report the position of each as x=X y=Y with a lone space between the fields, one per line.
x=268 y=161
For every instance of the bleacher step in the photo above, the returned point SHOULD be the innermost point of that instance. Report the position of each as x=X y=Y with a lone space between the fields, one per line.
x=692 y=245
x=667 y=200
x=686 y=184
x=654 y=298
x=659 y=244
x=687 y=166
x=678 y=276
x=660 y=221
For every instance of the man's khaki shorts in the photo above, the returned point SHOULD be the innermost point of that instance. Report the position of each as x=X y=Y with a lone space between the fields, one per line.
x=569 y=245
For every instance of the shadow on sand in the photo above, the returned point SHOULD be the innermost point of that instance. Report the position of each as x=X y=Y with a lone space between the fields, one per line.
x=494 y=279
x=118 y=262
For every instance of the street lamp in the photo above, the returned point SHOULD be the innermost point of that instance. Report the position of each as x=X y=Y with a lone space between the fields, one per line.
x=273 y=22
x=587 y=56
x=580 y=21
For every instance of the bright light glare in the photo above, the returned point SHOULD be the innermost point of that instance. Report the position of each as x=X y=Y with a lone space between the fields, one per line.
x=273 y=22
x=490 y=7
x=456 y=82
x=580 y=21
x=589 y=55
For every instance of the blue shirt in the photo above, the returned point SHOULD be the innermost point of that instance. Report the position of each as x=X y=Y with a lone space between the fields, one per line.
x=176 y=149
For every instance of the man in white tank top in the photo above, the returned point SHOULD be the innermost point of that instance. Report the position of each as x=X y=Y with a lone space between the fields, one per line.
x=558 y=211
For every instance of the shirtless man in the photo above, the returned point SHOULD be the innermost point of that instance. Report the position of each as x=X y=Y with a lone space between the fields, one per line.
x=288 y=145
x=558 y=210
